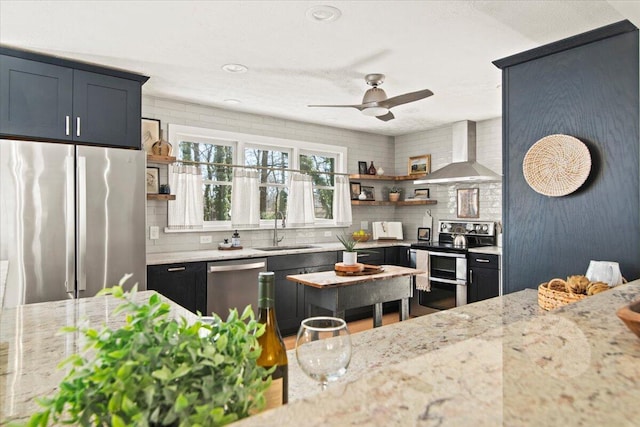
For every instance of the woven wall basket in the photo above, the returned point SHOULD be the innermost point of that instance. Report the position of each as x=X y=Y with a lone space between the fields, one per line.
x=557 y=165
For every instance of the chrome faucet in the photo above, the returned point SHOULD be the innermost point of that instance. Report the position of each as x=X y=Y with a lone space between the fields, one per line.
x=275 y=227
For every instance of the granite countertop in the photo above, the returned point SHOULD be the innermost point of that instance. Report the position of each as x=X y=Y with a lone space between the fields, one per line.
x=490 y=250
x=501 y=361
x=31 y=345
x=219 y=255
x=497 y=362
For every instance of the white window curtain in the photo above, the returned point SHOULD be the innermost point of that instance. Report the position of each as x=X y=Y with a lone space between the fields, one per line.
x=186 y=212
x=342 y=201
x=245 y=199
x=300 y=202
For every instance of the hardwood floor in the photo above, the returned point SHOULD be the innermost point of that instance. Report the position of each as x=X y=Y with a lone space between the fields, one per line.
x=357 y=326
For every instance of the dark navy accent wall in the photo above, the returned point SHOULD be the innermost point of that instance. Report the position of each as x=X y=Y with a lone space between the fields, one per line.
x=589 y=90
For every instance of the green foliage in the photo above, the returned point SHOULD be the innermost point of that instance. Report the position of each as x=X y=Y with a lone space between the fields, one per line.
x=348 y=243
x=395 y=189
x=157 y=370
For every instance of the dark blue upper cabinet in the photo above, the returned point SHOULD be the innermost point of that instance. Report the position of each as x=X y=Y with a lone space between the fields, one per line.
x=106 y=110
x=35 y=99
x=43 y=97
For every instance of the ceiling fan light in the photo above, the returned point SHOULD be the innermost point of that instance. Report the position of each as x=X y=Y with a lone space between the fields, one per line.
x=375 y=111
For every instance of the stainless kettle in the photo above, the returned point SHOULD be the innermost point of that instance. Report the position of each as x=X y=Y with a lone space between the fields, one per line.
x=460 y=241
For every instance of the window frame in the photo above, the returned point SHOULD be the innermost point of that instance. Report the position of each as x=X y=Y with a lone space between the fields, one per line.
x=239 y=141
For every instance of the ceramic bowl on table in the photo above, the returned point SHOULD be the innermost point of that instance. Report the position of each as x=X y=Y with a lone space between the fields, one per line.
x=630 y=315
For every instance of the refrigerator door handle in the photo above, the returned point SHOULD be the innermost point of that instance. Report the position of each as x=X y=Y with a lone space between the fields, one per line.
x=82 y=223
x=70 y=275
x=78 y=126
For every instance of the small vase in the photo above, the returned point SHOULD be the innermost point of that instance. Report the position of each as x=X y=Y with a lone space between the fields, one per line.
x=362 y=196
x=349 y=258
x=380 y=171
x=372 y=169
x=394 y=197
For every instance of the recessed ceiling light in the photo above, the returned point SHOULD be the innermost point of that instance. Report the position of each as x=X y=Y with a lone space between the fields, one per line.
x=232 y=101
x=323 y=13
x=234 y=68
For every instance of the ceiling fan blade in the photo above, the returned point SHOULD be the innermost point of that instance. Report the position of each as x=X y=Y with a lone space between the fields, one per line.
x=386 y=117
x=359 y=107
x=407 y=97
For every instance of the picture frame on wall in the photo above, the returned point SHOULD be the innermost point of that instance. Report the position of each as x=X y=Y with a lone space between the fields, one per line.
x=468 y=202
x=421 y=193
x=362 y=168
x=153 y=180
x=369 y=192
x=150 y=133
x=355 y=190
x=424 y=233
x=419 y=165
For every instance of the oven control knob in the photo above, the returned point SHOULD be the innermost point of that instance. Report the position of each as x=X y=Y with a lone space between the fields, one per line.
x=445 y=226
x=470 y=227
x=485 y=227
x=478 y=227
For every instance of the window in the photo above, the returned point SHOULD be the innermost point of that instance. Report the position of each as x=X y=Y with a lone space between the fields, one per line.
x=212 y=150
x=273 y=190
x=210 y=158
x=323 y=183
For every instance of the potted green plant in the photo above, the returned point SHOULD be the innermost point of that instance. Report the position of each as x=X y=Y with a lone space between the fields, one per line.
x=394 y=194
x=158 y=370
x=349 y=255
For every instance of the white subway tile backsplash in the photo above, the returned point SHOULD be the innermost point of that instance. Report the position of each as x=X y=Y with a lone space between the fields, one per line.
x=390 y=153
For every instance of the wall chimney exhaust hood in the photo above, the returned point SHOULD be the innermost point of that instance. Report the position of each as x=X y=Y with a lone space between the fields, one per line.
x=464 y=167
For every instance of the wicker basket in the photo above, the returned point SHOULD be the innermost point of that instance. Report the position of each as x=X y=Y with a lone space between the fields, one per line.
x=549 y=299
x=361 y=237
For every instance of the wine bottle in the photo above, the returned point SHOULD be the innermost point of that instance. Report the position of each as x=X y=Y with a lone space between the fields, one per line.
x=274 y=352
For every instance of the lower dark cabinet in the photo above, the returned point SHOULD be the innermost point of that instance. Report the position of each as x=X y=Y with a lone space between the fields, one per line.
x=484 y=277
x=184 y=284
x=290 y=301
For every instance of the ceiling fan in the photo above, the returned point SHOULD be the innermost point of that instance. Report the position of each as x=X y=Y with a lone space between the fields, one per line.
x=375 y=101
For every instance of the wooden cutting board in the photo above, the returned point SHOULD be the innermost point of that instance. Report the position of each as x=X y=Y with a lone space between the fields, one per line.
x=340 y=266
x=367 y=269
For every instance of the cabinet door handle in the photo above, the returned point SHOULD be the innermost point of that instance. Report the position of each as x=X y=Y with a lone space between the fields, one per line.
x=482 y=260
x=77 y=126
x=363 y=255
x=176 y=269
x=67 y=125
x=470 y=276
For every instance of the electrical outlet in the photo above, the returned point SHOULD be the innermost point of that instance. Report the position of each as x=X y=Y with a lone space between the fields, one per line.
x=206 y=239
x=154 y=232
x=364 y=225
x=327 y=234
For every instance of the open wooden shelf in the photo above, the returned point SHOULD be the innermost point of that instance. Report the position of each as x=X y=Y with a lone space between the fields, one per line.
x=161 y=196
x=388 y=177
x=152 y=158
x=387 y=203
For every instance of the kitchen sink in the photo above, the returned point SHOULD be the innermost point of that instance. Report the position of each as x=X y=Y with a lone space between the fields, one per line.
x=284 y=248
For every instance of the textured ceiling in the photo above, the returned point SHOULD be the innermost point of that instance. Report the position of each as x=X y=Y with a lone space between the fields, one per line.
x=445 y=46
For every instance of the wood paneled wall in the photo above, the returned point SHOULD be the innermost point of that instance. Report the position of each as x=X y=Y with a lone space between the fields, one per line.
x=586 y=87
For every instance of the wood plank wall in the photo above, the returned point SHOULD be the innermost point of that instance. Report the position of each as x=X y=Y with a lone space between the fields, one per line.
x=589 y=91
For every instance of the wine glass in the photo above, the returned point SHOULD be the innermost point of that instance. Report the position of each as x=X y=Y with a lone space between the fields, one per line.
x=323 y=348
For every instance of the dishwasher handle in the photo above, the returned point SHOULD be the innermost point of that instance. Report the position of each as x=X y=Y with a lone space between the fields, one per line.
x=237 y=267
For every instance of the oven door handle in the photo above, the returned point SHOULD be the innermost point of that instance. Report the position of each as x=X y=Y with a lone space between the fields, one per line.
x=448 y=281
x=447 y=254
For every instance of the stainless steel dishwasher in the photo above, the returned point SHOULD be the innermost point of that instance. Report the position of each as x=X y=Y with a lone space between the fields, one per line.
x=233 y=284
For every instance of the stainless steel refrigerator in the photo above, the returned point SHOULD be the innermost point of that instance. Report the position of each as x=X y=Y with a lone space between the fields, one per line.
x=72 y=219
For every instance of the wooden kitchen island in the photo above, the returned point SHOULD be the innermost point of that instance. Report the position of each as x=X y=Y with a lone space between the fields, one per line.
x=336 y=293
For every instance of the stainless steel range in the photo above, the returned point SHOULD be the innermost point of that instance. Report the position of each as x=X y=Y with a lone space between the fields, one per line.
x=445 y=261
